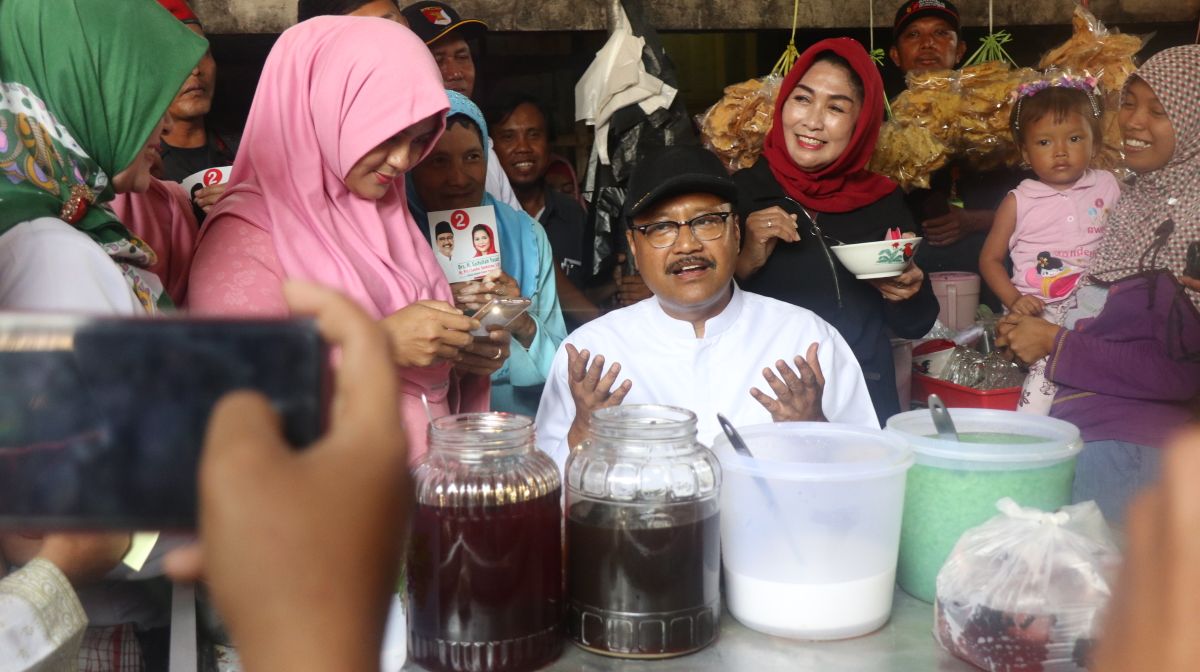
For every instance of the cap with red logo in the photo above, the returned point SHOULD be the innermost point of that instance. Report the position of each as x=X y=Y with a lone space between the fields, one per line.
x=181 y=10
x=432 y=21
x=919 y=9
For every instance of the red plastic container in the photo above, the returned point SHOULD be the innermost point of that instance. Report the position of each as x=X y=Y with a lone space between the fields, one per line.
x=959 y=396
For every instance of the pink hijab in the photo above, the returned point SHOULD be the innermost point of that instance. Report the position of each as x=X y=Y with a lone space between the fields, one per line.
x=163 y=218
x=333 y=89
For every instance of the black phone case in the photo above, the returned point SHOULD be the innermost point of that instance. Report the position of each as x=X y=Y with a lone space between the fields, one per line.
x=102 y=423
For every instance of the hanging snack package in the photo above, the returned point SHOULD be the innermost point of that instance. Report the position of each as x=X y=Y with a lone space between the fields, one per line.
x=931 y=101
x=922 y=134
x=1025 y=591
x=736 y=126
x=909 y=154
x=1109 y=57
x=984 y=113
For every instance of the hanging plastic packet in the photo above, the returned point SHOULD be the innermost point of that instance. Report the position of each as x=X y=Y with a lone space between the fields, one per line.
x=1109 y=57
x=736 y=126
x=1026 y=590
x=1093 y=48
x=921 y=136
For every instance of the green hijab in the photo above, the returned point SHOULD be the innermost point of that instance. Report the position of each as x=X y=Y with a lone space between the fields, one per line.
x=83 y=84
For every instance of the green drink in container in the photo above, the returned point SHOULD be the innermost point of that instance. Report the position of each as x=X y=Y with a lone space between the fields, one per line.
x=954 y=485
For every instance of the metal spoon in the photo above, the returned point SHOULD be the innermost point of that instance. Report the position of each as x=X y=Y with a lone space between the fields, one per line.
x=735 y=439
x=740 y=447
x=941 y=419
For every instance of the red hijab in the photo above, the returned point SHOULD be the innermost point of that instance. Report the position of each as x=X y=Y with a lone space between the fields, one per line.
x=845 y=184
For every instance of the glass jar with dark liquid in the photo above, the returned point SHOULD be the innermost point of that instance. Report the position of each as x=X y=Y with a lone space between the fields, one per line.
x=485 y=572
x=643 y=535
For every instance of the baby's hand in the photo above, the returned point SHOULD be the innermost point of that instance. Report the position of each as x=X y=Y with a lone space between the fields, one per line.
x=1027 y=305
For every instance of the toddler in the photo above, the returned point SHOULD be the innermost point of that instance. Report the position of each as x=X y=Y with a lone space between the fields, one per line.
x=1050 y=226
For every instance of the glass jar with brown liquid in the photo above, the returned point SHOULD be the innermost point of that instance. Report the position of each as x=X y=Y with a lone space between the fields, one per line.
x=643 y=535
x=485 y=564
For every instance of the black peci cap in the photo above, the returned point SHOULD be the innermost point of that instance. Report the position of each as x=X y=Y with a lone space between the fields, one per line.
x=671 y=171
x=917 y=9
x=432 y=21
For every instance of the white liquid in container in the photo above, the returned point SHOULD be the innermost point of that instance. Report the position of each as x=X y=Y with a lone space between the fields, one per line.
x=811 y=610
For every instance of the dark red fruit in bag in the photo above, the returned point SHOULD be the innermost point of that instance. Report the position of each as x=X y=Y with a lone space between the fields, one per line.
x=998 y=641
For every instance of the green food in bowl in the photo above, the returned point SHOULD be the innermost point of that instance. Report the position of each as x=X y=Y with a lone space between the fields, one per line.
x=940 y=504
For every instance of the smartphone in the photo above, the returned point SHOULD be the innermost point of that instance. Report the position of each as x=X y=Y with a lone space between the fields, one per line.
x=102 y=420
x=499 y=313
x=1192 y=269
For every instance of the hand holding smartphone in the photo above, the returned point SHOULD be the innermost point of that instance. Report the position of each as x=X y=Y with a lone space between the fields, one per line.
x=499 y=313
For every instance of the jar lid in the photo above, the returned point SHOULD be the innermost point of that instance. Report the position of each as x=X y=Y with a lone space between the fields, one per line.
x=483 y=460
x=989 y=439
x=643 y=453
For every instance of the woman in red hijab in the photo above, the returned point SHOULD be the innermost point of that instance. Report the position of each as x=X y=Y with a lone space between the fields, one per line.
x=810 y=190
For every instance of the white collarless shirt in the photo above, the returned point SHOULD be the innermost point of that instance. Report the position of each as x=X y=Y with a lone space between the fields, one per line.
x=668 y=364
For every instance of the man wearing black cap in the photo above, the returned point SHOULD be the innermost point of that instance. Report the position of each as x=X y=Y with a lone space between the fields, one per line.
x=957 y=211
x=926 y=36
x=699 y=342
x=446 y=34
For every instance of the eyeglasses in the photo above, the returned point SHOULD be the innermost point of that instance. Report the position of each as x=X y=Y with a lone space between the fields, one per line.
x=709 y=226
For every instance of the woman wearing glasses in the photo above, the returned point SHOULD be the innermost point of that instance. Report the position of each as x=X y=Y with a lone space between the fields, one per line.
x=810 y=190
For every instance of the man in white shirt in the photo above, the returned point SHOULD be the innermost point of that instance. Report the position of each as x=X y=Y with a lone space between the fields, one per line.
x=700 y=342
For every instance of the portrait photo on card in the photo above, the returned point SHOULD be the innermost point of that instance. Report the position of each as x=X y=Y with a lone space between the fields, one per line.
x=466 y=242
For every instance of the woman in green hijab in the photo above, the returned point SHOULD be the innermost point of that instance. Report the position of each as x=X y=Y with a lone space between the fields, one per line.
x=84 y=86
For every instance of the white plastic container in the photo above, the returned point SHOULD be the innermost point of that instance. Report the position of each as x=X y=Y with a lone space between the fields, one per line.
x=816 y=557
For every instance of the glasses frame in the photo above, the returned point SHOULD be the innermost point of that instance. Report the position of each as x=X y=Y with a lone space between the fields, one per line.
x=678 y=225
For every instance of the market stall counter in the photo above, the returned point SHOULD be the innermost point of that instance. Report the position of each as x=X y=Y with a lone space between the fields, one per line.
x=905 y=644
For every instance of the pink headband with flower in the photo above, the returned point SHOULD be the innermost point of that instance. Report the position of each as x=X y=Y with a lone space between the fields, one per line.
x=1086 y=84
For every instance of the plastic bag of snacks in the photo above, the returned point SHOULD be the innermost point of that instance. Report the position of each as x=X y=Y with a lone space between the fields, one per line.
x=985 y=92
x=930 y=102
x=948 y=113
x=1024 y=591
x=921 y=136
x=909 y=154
x=736 y=126
x=1107 y=56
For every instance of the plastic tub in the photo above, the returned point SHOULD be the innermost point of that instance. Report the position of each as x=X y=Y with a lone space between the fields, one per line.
x=961 y=396
x=955 y=485
x=810 y=528
x=932 y=357
x=958 y=297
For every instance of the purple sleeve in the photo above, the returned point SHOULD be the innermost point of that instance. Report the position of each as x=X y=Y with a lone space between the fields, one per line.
x=1135 y=369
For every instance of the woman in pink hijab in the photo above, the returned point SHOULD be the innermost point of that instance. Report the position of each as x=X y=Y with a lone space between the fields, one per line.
x=344 y=108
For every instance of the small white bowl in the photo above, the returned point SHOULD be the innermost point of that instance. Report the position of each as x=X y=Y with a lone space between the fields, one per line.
x=877 y=259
